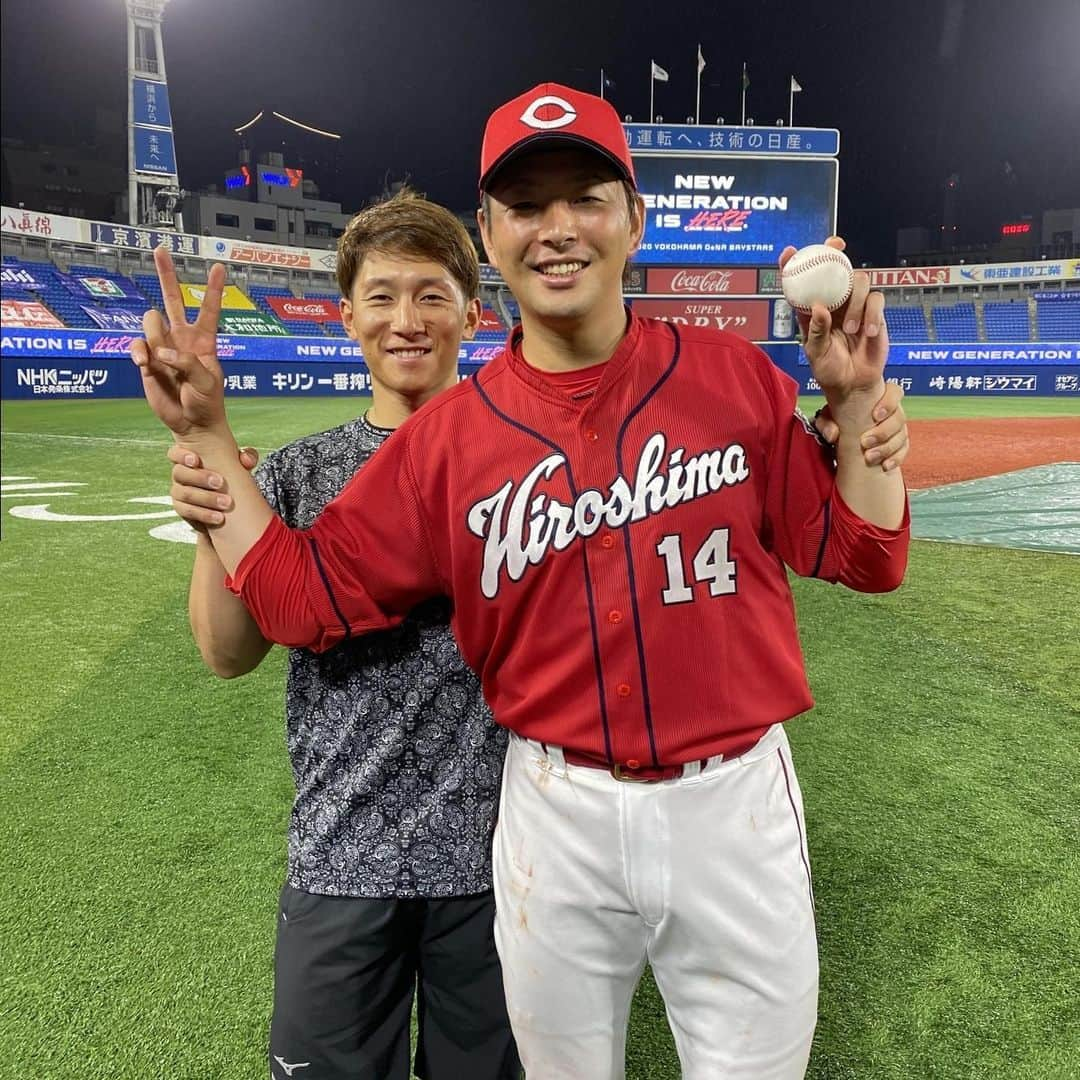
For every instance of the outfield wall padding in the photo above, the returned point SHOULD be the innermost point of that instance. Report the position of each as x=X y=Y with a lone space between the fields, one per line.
x=89 y=363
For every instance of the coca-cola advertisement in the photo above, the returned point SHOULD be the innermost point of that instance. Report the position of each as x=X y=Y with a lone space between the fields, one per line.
x=747 y=318
x=701 y=281
x=304 y=310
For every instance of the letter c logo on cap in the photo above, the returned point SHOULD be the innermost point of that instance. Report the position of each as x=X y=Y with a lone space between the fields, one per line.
x=567 y=116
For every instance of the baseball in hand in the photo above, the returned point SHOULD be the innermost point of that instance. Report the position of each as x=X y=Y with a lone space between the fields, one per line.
x=817 y=274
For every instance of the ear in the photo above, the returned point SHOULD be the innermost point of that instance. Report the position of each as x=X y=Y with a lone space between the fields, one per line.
x=485 y=235
x=473 y=314
x=346 y=309
x=637 y=225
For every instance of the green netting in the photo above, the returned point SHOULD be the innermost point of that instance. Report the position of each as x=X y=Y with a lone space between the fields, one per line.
x=1035 y=508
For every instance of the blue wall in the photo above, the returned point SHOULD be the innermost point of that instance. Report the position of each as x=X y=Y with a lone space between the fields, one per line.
x=88 y=363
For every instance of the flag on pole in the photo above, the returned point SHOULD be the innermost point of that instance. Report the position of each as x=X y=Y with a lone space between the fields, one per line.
x=795 y=89
x=700 y=69
x=658 y=74
x=745 y=79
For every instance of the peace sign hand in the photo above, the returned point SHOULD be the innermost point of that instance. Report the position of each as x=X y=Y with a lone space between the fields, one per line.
x=182 y=378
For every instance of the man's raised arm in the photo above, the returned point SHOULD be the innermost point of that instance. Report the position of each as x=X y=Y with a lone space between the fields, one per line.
x=183 y=384
x=301 y=591
x=847 y=351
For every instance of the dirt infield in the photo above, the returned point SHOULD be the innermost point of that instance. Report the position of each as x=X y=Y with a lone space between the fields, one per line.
x=945 y=451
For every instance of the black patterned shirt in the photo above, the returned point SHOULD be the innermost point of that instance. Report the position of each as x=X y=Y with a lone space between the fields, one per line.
x=396 y=759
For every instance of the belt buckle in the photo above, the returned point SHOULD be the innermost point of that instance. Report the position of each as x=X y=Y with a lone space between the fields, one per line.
x=620 y=773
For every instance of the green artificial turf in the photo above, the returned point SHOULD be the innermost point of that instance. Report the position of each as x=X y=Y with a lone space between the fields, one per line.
x=143 y=802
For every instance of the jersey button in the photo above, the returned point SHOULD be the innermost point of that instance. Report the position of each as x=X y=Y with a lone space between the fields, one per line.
x=623 y=689
x=614 y=617
x=591 y=434
x=607 y=541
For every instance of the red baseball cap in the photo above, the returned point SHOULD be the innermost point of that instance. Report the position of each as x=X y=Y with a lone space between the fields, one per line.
x=554 y=115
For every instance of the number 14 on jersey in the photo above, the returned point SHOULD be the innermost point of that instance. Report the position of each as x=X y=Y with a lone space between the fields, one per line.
x=711 y=564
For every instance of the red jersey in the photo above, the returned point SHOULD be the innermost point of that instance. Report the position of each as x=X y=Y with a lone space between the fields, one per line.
x=616 y=563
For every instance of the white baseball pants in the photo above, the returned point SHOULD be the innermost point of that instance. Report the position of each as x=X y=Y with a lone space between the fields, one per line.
x=706 y=877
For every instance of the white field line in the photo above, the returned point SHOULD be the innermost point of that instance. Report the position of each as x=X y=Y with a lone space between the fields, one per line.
x=84 y=438
x=99 y=439
x=37 y=485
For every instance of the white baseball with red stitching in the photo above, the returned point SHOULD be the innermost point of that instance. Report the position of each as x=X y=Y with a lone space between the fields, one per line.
x=817 y=274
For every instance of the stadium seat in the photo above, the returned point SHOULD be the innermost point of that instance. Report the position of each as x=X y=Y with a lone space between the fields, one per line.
x=956 y=322
x=1058 y=320
x=61 y=294
x=148 y=285
x=1007 y=320
x=906 y=323
x=260 y=294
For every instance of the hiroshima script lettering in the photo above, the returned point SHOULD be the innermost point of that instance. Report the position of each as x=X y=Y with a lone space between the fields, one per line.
x=519 y=524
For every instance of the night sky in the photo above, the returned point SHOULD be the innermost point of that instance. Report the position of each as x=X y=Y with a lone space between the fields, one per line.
x=919 y=89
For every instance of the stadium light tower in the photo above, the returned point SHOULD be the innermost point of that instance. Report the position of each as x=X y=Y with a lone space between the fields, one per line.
x=154 y=194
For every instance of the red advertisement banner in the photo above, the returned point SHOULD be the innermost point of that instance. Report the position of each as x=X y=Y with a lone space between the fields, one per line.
x=747 y=318
x=913 y=275
x=490 y=321
x=305 y=310
x=22 y=313
x=698 y=281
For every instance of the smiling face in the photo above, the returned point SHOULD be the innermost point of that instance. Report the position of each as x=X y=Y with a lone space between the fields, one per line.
x=408 y=316
x=559 y=226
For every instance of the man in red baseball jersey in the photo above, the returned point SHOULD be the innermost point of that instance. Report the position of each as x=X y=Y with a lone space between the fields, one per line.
x=610 y=503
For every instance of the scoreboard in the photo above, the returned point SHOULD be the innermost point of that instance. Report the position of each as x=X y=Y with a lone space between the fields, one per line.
x=733 y=212
x=732 y=197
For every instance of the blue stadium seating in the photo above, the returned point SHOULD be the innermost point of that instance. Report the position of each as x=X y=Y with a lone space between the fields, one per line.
x=1003 y=320
x=18 y=293
x=59 y=293
x=259 y=293
x=137 y=302
x=956 y=322
x=1007 y=320
x=64 y=296
x=148 y=285
x=302 y=327
x=906 y=323
x=1059 y=320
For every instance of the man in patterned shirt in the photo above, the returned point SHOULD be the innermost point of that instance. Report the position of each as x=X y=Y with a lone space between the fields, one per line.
x=396 y=760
